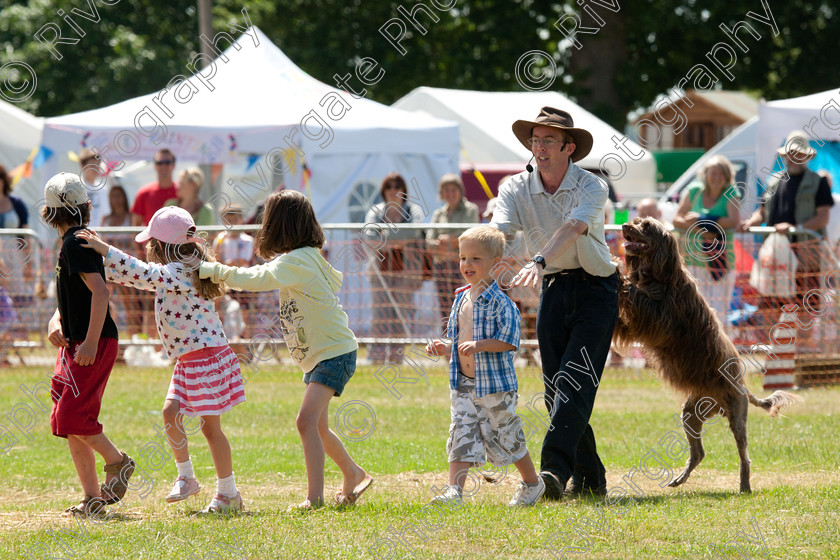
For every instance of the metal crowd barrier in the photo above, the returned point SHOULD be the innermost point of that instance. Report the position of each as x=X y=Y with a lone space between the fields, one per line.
x=396 y=290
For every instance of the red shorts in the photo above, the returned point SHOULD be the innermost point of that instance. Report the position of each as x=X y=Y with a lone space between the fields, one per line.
x=77 y=390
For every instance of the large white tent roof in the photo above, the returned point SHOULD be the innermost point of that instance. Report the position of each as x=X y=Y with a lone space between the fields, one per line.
x=486 y=136
x=21 y=133
x=818 y=114
x=262 y=103
x=256 y=95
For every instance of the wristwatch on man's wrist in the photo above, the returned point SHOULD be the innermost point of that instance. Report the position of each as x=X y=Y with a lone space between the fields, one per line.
x=539 y=259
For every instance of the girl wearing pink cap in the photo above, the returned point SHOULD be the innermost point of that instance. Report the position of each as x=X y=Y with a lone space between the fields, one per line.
x=207 y=381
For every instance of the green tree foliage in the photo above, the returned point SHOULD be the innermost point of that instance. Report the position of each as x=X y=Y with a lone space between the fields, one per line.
x=642 y=48
x=649 y=46
x=471 y=46
x=131 y=50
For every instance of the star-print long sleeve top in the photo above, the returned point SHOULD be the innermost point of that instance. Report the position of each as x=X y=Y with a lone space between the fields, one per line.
x=185 y=321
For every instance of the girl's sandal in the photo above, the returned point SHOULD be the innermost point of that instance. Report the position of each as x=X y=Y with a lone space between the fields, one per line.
x=305 y=506
x=89 y=506
x=342 y=499
x=113 y=490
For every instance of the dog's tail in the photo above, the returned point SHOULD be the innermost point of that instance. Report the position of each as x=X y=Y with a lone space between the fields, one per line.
x=774 y=402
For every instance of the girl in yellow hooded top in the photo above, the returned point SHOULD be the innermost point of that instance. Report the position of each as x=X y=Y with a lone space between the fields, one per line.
x=314 y=326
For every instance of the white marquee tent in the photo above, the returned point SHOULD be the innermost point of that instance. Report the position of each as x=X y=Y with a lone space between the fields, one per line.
x=261 y=102
x=818 y=113
x=21 y=133
x=486 y=136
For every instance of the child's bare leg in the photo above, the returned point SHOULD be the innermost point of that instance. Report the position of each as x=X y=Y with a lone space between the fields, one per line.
x=219 y=445
x=174 y=427
x=102 y=445
x=458 y=473
x=85 y=462
x=525 y=466
x=315 y=400
x=109 y=452
x=353 y=473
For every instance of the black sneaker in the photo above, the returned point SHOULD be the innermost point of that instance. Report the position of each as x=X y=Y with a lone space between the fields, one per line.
x=579 y=487
x=553 y=487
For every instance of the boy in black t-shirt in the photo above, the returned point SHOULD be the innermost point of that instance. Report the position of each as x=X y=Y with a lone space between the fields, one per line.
x=86 y=337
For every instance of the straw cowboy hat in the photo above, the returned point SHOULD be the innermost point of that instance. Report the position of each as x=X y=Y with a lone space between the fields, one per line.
x=555 y=118
x=797 y=143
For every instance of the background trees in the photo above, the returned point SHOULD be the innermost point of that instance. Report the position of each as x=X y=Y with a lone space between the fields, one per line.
x=641 y=50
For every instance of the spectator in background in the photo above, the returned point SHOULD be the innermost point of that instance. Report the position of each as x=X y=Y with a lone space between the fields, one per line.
x=396 y=273
x=189 y=185
x=801 y=199
x=709 y=210
x=8 y=315
x=150 y=198
x=648 y=208
x=13 y=211
x=95 y=181
x=256 y=217
x=19 y=267
x=232 y=247
x=120 y=215
x=487 y=216
x=444 y=242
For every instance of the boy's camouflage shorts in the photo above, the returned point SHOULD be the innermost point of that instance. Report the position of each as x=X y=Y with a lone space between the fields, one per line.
x=485 y=429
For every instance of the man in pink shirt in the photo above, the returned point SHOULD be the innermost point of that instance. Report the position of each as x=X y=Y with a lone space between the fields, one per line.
x=150 y=198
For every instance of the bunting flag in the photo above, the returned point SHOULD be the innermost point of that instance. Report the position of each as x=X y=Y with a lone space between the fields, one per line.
x=305 y=176
x=41 y=158
x=37 y=157
x=252 y=161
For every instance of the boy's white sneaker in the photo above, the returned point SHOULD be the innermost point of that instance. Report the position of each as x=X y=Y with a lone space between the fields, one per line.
x=183 y=488
x=527 y=495
x=450 y=494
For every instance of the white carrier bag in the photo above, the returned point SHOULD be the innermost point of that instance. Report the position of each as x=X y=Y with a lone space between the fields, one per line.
x=774 y=271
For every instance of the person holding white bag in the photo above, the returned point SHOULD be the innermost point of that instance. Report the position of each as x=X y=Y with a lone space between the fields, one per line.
x=801 y=199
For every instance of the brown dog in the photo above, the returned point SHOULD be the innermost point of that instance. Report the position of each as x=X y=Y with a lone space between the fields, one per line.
x=661 y=308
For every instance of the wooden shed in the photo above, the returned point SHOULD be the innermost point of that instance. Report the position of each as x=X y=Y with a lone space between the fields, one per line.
x=712 y=117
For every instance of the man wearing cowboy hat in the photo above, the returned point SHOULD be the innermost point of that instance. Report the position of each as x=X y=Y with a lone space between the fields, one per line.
x=802 y=199
x=560 y=209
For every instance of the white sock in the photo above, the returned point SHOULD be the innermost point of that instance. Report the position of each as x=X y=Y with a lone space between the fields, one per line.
x=226 y=486
x=185 y=469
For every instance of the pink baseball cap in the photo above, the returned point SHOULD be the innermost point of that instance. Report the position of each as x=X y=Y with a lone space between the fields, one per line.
x=170 y=224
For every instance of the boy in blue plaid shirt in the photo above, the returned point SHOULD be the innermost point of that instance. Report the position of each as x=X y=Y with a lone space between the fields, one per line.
x=484 y=327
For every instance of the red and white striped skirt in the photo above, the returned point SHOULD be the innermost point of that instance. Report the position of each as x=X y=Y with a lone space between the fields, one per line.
x=207 y=382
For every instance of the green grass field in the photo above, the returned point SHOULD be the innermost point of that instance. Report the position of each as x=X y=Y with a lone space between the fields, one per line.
x=792 y=513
